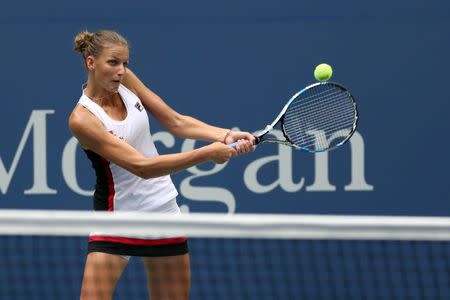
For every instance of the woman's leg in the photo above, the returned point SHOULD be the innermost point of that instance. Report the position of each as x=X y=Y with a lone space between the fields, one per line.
x=168 y=277
x=101 y=273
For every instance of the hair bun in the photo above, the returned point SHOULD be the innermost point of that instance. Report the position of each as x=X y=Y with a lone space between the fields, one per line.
x=88 y=43
x=82 y=41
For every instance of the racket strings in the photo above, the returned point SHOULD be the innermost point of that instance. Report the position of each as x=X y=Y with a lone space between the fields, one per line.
x=317 y=117
x=311 y=101
x=333 y=125
x=320 y=137
x=321 y=142
x=309 y=119
x=297 y=108
x=320 y=116
x=331 y=130
x=342 y=119
x=312 y=118
x=317 y=95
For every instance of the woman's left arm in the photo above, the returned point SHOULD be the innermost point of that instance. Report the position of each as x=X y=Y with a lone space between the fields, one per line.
x=178 y=124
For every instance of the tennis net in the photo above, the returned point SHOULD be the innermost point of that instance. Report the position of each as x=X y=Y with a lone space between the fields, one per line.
x=42 y=255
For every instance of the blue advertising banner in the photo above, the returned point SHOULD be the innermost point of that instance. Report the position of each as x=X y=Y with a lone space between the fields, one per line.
x=234 y=65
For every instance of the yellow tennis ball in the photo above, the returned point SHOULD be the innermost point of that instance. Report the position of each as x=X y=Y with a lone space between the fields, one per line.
x=323 y=72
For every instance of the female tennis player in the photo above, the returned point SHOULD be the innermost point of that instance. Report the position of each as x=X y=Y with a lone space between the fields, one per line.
x=111 y=124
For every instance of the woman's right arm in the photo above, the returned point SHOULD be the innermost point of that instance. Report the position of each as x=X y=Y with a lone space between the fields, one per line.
x=91 y=134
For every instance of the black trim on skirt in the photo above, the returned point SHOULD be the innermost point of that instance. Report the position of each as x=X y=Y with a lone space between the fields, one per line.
x=138 y=250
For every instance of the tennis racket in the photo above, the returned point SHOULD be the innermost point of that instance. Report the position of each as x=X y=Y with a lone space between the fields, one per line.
x=321 y=117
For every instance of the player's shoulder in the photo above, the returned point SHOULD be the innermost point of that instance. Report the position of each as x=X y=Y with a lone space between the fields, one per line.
x=85 y=126
x=81 y=118
x=131 y=81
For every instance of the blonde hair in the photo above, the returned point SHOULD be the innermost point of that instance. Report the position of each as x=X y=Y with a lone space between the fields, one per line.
x=93 y=43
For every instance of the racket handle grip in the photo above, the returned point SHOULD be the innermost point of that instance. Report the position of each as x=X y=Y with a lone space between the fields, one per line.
x=233 y=145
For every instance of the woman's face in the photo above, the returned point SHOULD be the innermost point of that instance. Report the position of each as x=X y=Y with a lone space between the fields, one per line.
x=109 y=67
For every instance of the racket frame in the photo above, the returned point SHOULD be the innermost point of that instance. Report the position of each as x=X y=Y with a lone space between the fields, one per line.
x=279 y=119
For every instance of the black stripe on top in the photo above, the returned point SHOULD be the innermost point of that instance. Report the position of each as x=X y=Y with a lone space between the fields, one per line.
x=104 y=187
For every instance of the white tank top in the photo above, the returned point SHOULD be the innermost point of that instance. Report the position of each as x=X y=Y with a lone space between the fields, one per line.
x=117 y=189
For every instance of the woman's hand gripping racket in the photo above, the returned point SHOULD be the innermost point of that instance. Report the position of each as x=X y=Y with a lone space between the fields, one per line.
x=321 y=117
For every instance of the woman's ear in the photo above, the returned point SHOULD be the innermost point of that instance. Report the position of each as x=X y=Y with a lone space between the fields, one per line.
x=90 y=63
